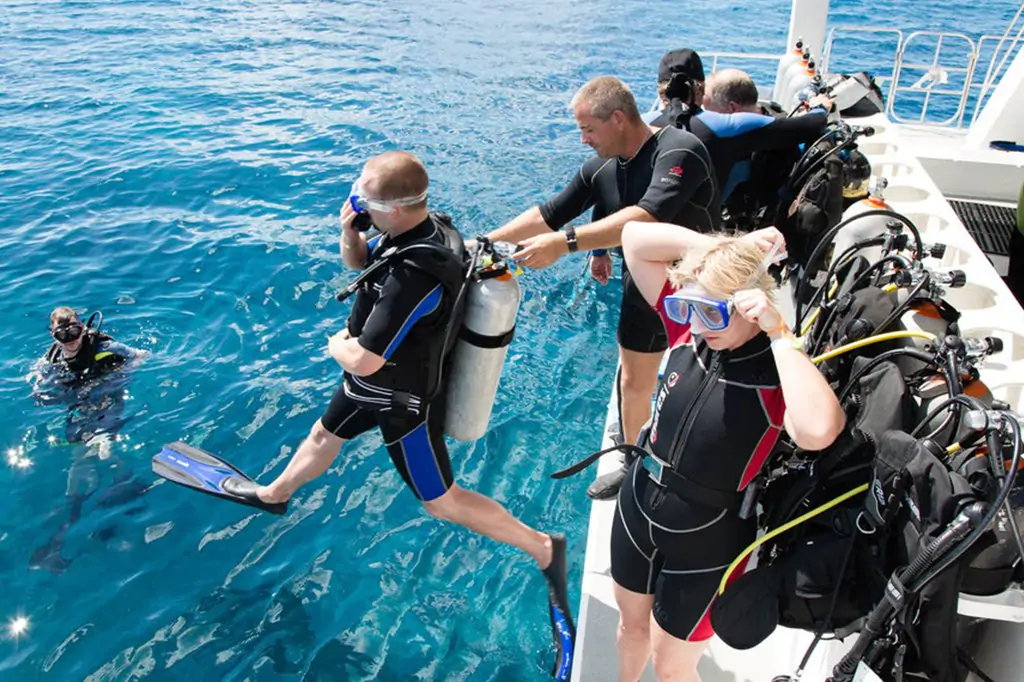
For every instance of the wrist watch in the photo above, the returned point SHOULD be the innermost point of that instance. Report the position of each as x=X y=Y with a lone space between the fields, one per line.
x=570 y=238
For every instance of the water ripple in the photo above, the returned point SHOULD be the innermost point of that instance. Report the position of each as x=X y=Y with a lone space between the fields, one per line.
x=180 y=166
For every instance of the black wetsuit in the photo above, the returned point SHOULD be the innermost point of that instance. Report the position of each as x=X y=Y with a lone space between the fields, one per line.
x=716 y=419
x=97 y=355
x=401 y=315
x=731 y=139
x=671 y=178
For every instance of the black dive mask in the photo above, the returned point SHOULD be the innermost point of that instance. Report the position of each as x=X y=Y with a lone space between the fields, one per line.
x=66 y=333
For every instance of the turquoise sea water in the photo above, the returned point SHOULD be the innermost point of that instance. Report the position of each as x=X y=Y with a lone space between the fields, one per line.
x=180 y=165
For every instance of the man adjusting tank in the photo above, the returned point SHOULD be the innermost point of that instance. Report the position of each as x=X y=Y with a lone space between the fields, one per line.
x=638 y=174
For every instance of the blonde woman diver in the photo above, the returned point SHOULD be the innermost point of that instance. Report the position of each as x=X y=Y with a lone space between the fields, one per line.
x=733 y=381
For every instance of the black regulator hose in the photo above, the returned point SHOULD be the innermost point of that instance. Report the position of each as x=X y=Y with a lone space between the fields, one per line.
x=826 y=240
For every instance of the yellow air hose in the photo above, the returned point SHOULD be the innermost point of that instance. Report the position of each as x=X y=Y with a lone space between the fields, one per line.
x=878 y=338
x=787 y=526
x=888 y=336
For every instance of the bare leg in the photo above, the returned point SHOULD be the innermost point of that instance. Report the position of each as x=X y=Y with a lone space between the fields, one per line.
x=634 y=634
x=314 y=456
x=483 y=515
x=639 y=379
x=675 y=660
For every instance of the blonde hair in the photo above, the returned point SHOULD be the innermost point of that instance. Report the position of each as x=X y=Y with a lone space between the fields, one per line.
x=727 y=266
x=605 y=95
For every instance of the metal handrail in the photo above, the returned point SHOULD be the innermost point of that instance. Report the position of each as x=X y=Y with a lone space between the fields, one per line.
x=1006 y=33
x=715 y=56
x=956 y=118
x=827 y=55
x=992 y=76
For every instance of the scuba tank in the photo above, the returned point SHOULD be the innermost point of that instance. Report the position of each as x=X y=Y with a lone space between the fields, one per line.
x=789 y=59
x=798 y=83
x=488 y=325
x=807 y=92
x=792 y=71
x=865 y=228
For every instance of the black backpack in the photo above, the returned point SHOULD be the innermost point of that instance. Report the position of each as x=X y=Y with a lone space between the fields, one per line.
x=822 y=575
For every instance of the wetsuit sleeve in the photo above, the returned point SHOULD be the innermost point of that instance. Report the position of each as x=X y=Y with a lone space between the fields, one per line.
x=679 y=171
x=408 y=296
x=116 y=349
x=572 y=201
x=758 y=133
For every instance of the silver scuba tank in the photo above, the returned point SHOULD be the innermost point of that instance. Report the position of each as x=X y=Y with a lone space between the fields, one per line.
x=492 y=303
x=864 y=228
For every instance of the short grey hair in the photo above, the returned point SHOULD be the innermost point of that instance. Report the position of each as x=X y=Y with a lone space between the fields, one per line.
x=606 y=95
x=732 y=86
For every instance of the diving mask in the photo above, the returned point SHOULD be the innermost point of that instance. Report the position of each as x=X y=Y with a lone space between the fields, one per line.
x=691 y=302
x=68 y=332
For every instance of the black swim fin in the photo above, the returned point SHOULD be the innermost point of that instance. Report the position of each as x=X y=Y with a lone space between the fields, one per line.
x=194 y=468
x=563 y=630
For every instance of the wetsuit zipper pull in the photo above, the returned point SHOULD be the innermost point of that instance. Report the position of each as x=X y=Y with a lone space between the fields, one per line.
x=657 y=497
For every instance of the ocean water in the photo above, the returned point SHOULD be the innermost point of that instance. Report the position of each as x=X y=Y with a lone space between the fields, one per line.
x=180 y=166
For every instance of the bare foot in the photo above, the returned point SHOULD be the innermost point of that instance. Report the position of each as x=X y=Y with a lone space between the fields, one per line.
x=267 y=495
x=547 y=555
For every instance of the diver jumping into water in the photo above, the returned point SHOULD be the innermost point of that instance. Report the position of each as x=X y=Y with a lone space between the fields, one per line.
x=391 y=350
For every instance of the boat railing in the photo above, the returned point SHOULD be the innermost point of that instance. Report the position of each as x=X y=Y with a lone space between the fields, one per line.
x=916 y=68
x=941 y=63
x=934 y=75
x=880 y=37
x=994 y=72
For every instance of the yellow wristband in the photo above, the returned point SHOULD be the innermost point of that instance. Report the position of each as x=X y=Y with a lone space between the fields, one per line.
x=783 y=327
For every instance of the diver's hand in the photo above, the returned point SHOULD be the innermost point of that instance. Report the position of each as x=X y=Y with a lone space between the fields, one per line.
x=820 y=101
x=334 y=343
x=601 y=267
x=347 y=216
x=542 y=250
x=753 y=305
x=766 y=238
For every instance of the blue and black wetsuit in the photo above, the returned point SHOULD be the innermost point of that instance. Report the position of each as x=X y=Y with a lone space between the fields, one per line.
x=671 y=178
x=717 y=417
x=732 y=139
x=89 y=383
x=99 y=354
x=401 y=315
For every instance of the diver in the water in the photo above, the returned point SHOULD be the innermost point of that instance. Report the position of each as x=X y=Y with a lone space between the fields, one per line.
x=86 y=370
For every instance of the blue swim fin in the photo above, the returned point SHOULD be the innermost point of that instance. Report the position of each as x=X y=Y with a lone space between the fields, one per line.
x=199 y=470
x=563 y=630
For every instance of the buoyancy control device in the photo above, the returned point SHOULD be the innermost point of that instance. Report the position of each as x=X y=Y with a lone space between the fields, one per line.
x=481 y=326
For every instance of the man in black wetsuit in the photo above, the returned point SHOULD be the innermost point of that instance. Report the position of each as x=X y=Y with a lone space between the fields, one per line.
x=85 y=370
x=391 y=351
x=638 y=174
